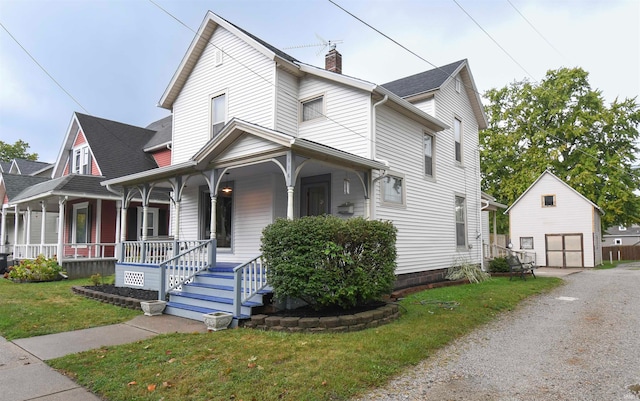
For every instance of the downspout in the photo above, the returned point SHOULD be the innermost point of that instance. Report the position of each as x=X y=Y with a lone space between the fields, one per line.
x=373 y=152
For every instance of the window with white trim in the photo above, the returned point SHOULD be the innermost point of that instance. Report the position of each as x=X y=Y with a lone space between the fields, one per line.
x=461 y=221
x=617 y=241
x=80 y=225
x=457 y=134
x=622 y=228
x=526 y=242
x=82 y=160
x=393 y=191
x=429 y=151
x=312 y=108
x=458 y=85
x=218 y=113
x=152 y=222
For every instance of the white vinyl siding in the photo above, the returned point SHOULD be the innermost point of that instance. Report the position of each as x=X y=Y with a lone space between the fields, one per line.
x=572 y=215
x=250 y=94
x=347 y=111
x=426 y=226
x=426 y=105
x=247 y=145
x=287 y=103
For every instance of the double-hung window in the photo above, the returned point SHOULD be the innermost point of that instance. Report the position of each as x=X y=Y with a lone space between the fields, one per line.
x=218 y=114
x=457 y=135
x=461 y=222
x=313 y=108
x=82 y=160
x=429 y=146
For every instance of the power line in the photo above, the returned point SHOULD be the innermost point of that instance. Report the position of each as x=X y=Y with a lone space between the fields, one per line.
x=43 y=69
x=494 y=41
x=535 y=29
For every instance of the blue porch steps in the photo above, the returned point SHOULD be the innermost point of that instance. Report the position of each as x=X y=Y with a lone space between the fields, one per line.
x=210 y=292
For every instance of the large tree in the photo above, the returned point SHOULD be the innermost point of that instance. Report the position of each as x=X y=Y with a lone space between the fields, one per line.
x=18 y=150
x=563 y=125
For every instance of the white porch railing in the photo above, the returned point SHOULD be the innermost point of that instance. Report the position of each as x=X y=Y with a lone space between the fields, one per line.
x=250 y=278
x=182 y=267
x=70 y=251
x=154 y=251
x=497 y=251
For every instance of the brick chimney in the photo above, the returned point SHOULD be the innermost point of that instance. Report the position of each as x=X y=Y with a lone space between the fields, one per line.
x=333 y=61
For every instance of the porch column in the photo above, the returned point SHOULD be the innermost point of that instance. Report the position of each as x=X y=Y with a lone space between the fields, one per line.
x=123 y=230
x=116 y=238
x=27 y=232
x=61 y=206
x=176 y=225
x=97 y=249
x=3 y=229
x=212 y=227
x=43 y=227
x=16 y=224
x=290 y=191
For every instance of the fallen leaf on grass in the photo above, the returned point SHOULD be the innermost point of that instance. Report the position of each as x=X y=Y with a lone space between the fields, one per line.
x=151 y=387
x=167 y=384
x=133 y=383
x=324 y=382
x=172 y=360
x=251 y=365
x=168 y=352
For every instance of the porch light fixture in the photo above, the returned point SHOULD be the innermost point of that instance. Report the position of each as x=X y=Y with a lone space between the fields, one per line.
x=226 y=188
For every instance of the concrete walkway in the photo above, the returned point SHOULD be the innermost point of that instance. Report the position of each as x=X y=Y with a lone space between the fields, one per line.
x=24 y=376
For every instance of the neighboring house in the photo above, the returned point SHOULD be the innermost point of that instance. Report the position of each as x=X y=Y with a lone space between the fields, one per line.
x=88 y=227
x=259 y=135
x=556 y=222
x=30 y=167
x=621 y=236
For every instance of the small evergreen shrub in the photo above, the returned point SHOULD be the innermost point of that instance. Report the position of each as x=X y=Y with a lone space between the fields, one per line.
x=499 y=265
x=38 y=269
x=327 y=261
x=463 y=269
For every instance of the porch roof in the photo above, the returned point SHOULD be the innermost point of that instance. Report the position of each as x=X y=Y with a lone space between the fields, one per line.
x=231 y=132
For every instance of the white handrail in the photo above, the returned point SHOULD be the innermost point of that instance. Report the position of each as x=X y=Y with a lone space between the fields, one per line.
x=184 y=266
x=250 y=278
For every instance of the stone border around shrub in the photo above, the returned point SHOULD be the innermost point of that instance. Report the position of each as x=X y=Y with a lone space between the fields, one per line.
x=327 y=324
x=124 y=302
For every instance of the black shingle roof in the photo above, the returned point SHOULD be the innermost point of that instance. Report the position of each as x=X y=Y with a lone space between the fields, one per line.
x=117 y=147
x=16 y=183
x=28 y=167
x=69 y=184
x=422 y=82
x=163 y=128
x=5 y=166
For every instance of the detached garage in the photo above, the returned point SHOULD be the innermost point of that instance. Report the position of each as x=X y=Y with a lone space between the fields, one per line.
x=557 y=223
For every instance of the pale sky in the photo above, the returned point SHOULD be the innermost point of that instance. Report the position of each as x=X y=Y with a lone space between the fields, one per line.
x=116 y=57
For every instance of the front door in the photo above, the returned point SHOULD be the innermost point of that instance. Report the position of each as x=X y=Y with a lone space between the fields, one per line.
x=315 y=195
x=564 y=250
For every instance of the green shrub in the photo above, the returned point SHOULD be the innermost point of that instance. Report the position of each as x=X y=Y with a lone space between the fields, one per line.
x=499 y=265
x=38 y=269
x=96 y=279
x=463 y=269
x=327 y=261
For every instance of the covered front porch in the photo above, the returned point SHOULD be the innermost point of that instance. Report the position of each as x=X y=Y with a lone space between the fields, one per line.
x=222 y=198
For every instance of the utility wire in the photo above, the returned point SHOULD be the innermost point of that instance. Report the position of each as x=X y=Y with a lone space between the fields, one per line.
x=43 y=69
x=535 y=29
x=494 y=41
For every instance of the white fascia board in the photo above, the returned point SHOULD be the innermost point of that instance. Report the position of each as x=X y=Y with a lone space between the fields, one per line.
x=149 y=175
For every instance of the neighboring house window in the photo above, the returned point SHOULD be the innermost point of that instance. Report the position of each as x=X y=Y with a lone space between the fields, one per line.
x=461 y=222
x=617 y=241
x=622 y=228
x=218 y=114
x=313 y=108
x=152 y=222
x=429 y=146
x=80 y=227
x=393 y=190
x=82 y=160
x=526 y=242
x=548 y=200
x=457 y=133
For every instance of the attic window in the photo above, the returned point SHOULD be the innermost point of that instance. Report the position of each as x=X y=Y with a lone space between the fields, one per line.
x=313 y=108
x=548 y=200
x=82 y=160
x=458 y=85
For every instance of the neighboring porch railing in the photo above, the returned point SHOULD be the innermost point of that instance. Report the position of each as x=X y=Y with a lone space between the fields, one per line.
x=155 y=251
x=497 y=251
x=250 y=278
x=70 y=251
x=184 y=266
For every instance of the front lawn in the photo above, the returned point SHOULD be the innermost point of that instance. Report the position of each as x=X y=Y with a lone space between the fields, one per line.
x=34 y=309
x=246 y=364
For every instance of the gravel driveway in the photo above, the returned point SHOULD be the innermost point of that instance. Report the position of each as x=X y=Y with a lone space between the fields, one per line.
x=579 y=342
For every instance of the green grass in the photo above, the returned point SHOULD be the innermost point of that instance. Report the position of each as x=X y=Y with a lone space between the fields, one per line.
x=609 y=265
x=34 y=309
x=246 y=364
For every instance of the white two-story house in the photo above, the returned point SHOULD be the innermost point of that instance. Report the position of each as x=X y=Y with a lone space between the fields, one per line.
x=259 y=135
